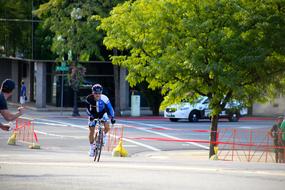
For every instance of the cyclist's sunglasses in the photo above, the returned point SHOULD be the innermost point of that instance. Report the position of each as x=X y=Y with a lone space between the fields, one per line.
x=97 y=93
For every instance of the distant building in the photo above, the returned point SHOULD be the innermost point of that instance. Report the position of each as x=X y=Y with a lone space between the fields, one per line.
x=44 y=82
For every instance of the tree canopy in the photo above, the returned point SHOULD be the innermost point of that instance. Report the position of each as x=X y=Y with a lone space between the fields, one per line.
x=73 y=29
x=212 y=48
x=221 y=49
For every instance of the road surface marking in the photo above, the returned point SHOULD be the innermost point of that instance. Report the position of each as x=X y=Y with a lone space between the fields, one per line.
x=56 y=135
x=163 y=134
x=66 y=124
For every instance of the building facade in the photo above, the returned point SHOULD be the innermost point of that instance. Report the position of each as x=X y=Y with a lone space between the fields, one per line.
x=46 y=85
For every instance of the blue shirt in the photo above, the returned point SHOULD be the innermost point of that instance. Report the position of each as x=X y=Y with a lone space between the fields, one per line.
x=23 y=90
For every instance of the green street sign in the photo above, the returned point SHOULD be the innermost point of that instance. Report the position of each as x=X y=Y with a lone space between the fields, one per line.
x=63 y=67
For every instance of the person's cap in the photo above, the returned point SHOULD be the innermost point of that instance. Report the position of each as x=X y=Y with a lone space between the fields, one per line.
x=8 y=85
x=280 y=117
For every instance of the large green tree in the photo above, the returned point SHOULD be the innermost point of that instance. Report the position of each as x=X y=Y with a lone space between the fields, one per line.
x=221 y=49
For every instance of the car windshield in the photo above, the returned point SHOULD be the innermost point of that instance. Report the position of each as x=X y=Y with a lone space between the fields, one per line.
x=199 y=100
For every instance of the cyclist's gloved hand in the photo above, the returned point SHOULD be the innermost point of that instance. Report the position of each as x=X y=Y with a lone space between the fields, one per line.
x=113 y=121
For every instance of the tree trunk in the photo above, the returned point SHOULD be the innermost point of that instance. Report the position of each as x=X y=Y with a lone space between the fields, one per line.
x=75 y=107
x=155 y=107
x=117 y=86
x=213 y=139
x=75 y=111
x=117 y=89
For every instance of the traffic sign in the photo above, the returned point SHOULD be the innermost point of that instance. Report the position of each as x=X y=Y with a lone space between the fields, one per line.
x=63 y=67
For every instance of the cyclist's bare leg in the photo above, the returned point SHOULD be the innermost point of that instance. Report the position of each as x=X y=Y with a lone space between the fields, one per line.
x=107 y=127
x=91 y=134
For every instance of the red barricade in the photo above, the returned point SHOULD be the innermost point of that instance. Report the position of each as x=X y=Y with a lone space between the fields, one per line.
x=25 y=132
x=247 y=145
x=114 y=135
x=233 y=144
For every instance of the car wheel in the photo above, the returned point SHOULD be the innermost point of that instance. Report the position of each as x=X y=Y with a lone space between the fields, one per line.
x=173 y=119
x=193 y=117
x=234 y=117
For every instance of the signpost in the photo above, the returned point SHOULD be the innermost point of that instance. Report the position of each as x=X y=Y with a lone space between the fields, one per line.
x=62 y=69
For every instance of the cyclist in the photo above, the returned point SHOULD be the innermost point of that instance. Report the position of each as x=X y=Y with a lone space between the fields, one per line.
x=98 y=106
x=6 y=91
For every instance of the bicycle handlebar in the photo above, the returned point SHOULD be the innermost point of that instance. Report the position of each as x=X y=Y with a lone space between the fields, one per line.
x=97 y=119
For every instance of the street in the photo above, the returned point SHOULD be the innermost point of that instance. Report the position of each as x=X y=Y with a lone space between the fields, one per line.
x=63 y=162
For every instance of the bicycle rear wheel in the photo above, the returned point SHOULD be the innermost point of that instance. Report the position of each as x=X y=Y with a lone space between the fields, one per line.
x=98 y=148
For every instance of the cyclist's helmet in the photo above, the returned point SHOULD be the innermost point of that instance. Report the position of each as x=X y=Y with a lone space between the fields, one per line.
x=97 y=88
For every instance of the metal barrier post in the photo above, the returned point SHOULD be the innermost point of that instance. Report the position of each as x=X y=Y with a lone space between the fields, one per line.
x=250 y=142
x=233 y=146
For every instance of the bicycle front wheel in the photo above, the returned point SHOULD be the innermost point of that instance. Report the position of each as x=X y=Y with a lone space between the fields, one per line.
x=98 y=149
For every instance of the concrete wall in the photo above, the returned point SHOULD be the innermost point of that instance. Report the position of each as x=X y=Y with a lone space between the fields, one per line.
x=40 y=74
x=276 y=107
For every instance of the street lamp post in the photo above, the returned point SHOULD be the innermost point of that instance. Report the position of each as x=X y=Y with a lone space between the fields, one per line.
x=76 y=15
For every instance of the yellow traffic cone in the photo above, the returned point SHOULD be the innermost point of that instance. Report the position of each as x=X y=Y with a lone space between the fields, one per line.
x=116 y=152
x=215 y=156
x=12 y=139
x=34 y=146
x=119 y=150
x=124 y=152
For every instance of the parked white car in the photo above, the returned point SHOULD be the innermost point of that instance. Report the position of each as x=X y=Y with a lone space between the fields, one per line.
x=200 y=110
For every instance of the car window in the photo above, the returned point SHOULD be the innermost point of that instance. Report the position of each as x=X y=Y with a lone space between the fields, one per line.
x=206 y=101
x=199 y=100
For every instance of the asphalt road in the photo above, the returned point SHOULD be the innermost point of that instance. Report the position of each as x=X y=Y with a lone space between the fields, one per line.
x=63 y=163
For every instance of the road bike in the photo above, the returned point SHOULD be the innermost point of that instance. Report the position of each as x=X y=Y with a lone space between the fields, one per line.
x=99 y=130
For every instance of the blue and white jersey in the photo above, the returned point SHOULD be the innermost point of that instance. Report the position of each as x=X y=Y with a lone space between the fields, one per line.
x=97 y=109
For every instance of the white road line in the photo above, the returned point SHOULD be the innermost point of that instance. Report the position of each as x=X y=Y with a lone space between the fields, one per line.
x=65 y=124
x=142 y=144
x=85 y=128
x=51 y=124
x=163 y=134
x=56 y=135
x=253 y=127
